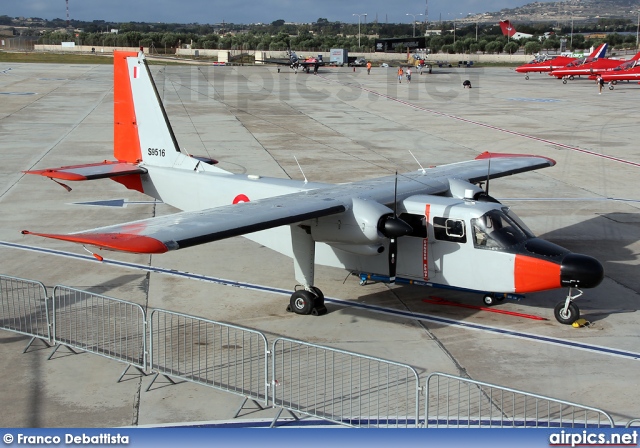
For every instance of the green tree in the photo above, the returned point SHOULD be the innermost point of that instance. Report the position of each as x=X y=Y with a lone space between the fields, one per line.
x=511 y=47
x=532 y=47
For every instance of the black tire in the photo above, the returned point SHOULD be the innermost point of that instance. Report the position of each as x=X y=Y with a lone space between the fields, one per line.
x=611 y=87
x=614 y=82
x=572 y=315
x=564 y=81
x=489 y=300
x=302 y=302
x=526 y=77
x=571 y=78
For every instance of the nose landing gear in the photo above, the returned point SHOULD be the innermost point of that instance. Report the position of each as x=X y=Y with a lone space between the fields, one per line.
x=567 y=312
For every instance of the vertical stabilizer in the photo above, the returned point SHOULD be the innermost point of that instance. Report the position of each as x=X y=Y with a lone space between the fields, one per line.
x=126 y=144
x=507 y=28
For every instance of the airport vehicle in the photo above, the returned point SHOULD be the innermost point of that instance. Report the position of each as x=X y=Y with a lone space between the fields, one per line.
x=545 y=64
x=433 y=227
x=592 y=68
x=295 y=63
x=510 y=31
x=358 y=62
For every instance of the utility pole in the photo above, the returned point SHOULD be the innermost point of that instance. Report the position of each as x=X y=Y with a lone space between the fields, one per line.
x=68 y=21
x=365 y=17
x=414 y=22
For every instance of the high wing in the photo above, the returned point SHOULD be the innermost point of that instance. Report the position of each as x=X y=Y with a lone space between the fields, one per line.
x=185 y=229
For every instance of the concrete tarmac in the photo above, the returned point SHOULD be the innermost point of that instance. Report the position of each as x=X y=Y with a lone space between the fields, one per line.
x=342 y=125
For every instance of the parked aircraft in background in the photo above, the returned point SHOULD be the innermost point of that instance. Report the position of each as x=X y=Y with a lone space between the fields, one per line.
x=510 y=31
x=433 y=227
x=558 y=62
x=594 y=68
x=631 y=74
x=295 y=63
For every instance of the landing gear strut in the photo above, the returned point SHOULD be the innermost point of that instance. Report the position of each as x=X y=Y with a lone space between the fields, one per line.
x=567 y=312
x=307 y=302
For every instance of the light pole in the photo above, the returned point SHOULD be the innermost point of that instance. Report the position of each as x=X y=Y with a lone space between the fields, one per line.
x=414 y=22
x=365 y=18
x=571 y=40
x=638 y=32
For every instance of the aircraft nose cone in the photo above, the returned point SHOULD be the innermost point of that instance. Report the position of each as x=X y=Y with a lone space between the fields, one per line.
x=581 y=271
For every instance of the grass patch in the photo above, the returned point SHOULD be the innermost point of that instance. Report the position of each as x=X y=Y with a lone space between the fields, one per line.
x=66 y=58
x=54 y=58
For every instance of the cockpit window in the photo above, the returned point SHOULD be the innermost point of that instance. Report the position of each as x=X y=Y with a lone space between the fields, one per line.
x=499 y=229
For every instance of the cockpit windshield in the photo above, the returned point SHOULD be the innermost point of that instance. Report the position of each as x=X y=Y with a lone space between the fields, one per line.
x=499 y=229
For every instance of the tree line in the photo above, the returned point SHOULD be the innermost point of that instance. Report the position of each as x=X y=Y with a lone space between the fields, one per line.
x=323 y=35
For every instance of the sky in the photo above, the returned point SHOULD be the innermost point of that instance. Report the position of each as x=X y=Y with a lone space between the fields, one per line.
x=251 y=11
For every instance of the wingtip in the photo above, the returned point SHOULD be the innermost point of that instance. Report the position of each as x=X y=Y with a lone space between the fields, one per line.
x=122 y=242
x=496 y=155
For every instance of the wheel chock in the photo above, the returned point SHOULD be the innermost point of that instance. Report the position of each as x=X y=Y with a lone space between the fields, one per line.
x=581 y=323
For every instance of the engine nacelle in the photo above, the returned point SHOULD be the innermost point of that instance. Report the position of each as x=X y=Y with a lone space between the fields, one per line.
x=358 y=225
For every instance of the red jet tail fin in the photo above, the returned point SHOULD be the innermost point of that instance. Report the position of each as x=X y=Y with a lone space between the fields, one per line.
x=507 y=28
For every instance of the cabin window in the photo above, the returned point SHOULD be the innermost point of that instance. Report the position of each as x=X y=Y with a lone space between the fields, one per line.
x=417 y=222
x=448 y=229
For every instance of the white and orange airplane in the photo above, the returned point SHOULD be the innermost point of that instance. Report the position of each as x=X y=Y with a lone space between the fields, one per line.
x=432 y=227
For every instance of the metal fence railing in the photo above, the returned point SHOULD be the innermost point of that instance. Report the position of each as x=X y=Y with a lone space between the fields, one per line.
x=24 y=308
x=343 y=387
x=335 y=385
x=102 y=325
x=223 y=356
x=458 y=402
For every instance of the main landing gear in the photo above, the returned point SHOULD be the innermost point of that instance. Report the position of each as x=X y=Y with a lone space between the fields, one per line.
x=305 y=301
x=567 y=312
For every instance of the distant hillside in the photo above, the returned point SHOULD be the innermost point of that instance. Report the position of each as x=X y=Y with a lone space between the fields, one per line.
x=579 y=10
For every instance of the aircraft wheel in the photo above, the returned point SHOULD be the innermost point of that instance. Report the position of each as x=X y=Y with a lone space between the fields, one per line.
x=301 y=302
x=564 y=81
x=489 y=300
x=611 y=87
x=614 y=82
x=526 y=77
x=572 y=314
x=571 y=78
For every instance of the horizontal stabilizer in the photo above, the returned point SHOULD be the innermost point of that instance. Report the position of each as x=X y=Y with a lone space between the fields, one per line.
x=100 y=170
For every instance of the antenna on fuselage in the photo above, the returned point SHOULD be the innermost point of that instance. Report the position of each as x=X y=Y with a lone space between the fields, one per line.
x=414 y=158
x=305 y=177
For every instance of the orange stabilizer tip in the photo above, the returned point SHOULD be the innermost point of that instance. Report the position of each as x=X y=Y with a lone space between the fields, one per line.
x=98 y=257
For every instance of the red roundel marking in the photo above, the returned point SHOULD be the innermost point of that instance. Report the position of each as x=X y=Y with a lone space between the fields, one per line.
x=240 y=198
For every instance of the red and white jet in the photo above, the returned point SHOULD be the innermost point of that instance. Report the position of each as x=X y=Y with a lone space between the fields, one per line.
x=432 y=227
x=547 y=65
x=593 y=68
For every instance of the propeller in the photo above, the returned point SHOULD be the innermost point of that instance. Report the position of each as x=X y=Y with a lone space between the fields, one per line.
x=393 y=227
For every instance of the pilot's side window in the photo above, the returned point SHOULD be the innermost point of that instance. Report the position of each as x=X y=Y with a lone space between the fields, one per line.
x=417 y=222
x=448 y=229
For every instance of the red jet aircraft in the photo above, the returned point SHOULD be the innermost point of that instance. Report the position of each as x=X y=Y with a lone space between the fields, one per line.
x=632 y=74
x=591 y=68
x=548 y=65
